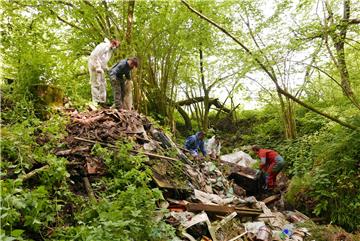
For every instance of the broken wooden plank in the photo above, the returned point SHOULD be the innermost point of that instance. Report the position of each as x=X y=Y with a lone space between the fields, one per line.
x=219 y=209
x=196 y=207
x=301 y=215
x=248 y=209
x=271 y=199
x=247 y=175
x=155 y=155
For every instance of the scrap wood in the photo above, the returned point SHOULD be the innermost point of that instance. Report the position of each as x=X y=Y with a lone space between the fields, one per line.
x=89 y=120
x=239 y=236
x=193 y=207
x=246 y=175
x=72 y=151
x=271 y=199
x=248 y=209
x=277 y=221
x=224 y=221
x=301 y=215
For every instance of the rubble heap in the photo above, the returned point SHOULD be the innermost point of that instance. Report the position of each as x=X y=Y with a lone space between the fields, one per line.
x=213 y=204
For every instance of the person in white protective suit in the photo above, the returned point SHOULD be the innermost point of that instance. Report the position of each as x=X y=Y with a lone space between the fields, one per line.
x=213 y=147
x=98 y=60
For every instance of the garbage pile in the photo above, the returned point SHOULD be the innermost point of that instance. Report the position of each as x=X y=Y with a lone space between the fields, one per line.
x=204 y=200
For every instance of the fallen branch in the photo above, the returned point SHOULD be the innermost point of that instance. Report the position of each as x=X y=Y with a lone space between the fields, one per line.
x=89 y=190
x=33 y=172
x=271 y=199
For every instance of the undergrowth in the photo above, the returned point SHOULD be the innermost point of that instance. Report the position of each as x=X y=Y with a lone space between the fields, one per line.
x=43 y=207
x=326 y=181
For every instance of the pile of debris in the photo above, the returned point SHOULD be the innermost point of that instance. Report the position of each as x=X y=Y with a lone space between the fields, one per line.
x=208 y=200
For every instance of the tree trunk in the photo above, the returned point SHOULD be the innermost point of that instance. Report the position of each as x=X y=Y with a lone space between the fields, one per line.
x=205 y=121
x=185 y=116
x=339 y=44
x=288 y=117
x=268 y=71
x=130 y=17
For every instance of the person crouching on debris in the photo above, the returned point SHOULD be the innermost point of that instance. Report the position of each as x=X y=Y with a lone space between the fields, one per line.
x=271 y=163
x=97 y=64
x=213 y=147
x=117 y=79
x=194 y=143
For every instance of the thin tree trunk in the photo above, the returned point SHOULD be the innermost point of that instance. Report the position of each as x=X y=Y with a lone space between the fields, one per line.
x=130 y=17
x=205 y=121
x=288 y=117
x=268 y=71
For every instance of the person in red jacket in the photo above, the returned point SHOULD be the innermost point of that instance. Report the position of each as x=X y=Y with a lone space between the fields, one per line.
x=271 y=163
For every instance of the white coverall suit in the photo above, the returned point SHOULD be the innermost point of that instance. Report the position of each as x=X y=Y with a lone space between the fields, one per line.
x=98 y=60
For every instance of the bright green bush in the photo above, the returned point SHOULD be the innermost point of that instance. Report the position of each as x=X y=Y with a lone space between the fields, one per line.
x=127 y=208
x=127 y=216
x=330 y=161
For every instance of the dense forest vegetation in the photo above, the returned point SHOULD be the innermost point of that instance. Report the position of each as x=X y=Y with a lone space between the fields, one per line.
x=201 y=63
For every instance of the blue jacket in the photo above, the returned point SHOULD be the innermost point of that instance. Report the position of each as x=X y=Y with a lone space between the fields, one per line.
x=120 y=69
x=193 y=143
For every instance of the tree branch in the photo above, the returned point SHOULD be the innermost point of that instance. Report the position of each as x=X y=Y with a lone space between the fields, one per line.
x=266 y=70
x=195 y=100
x=353 y=21
x=65 y=21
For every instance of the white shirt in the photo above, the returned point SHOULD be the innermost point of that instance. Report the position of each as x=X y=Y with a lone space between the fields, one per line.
x=101 y=55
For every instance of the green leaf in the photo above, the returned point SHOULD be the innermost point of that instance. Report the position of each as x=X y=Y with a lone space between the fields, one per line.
x=17 y=232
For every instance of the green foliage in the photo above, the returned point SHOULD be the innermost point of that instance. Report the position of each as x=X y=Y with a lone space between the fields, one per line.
x=25 y=146
x=326 y=165
x=298 y=154
x=127 y=208
x=297 y=193
x=128 y=216
x=33 y=210
x=29 y=142
x=326 y=232
x=309 y=122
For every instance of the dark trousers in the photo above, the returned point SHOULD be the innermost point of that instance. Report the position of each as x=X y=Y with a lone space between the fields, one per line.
x=118 y=86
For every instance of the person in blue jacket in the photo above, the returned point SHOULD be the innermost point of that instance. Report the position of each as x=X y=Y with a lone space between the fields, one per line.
x=194 y=143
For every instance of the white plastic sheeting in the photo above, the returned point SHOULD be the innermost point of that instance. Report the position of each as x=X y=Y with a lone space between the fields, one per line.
x=212 y=147
x=239 y=158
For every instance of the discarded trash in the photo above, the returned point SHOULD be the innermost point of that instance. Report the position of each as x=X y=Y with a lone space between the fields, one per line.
x=239 y=158
x=264 y=234
x=287 y=231
x=208 y=198
x=199 y=218
x=253 y=227
x=248 y=179
x=189 y=188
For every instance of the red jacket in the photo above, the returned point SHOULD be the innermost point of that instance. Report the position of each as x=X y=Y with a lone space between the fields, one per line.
x=267 y=157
